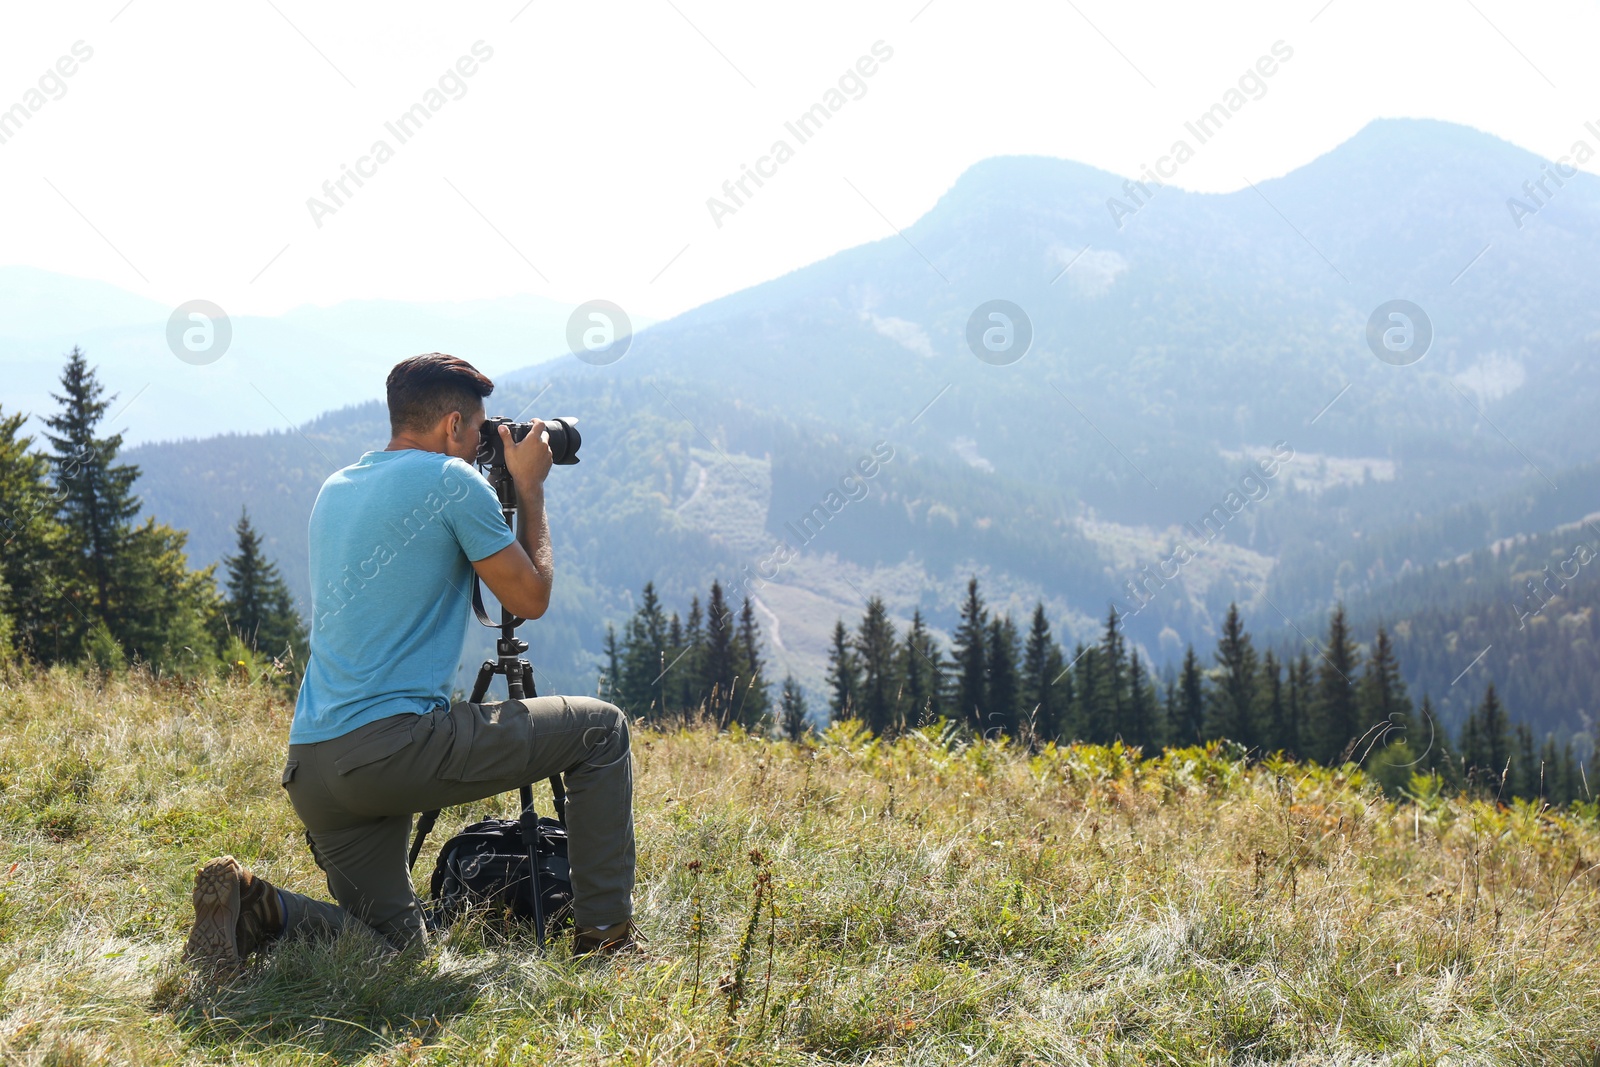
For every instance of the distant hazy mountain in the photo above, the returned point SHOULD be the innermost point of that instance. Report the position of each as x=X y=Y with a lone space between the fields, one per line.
x=277 y=372
x=1167 y=355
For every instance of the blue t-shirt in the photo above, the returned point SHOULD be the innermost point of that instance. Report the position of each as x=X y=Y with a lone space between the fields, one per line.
x=393 y=538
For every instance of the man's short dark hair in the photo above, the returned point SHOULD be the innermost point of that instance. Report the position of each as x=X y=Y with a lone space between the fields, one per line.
x=424 y=389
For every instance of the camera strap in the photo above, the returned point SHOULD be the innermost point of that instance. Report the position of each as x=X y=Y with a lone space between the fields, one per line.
x=477 y=602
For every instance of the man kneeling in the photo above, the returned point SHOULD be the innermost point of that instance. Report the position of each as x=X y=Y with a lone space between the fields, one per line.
x=394 y=541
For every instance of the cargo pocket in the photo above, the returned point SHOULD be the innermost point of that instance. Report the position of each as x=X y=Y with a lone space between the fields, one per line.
x=491 y=742
x=288 y=771
x=388 y=737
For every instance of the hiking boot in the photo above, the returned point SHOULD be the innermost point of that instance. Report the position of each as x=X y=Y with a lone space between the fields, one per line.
x=622 y=937
x=235 y=913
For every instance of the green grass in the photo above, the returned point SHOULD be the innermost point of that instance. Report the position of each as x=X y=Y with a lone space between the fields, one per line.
x=920 y=902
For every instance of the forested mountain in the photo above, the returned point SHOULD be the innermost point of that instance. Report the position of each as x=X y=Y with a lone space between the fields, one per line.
x=1169 y=355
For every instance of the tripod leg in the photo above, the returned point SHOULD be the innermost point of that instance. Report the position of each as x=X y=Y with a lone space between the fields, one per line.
x=480 y=688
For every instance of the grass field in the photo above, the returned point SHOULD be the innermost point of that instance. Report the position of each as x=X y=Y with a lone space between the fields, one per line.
x=843 y=901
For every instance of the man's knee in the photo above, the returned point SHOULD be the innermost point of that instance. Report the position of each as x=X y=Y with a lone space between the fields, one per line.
x=607 y=740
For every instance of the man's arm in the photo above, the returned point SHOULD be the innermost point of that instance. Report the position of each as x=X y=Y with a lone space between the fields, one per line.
x=521 y=574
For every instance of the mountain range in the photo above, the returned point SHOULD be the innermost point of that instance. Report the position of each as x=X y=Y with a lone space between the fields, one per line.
x=1173 y=348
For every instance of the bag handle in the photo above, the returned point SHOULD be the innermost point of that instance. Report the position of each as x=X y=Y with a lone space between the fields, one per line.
x=429 y=819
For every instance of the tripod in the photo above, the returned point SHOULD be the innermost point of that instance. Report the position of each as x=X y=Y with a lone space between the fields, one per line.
x=518 y=673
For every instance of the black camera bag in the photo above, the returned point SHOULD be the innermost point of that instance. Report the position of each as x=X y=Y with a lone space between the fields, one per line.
x=516 y=867
x=489 y=862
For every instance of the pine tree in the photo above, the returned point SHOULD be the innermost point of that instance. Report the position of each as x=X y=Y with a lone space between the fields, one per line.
x=1437 y=753
x=1079 y=683
x=1169 y=708
x=1524 y=780
x=1001 y=682
x=874 y=646
x=844 y=680
x=971 y=661
x=720 y=671
x=917 y=672
x=1106 y=715
x=169 y=612
x=613 y=668
x=1335 y=715
x=1188 y=724
x=30 y=544
x=1139 y=725
x=686 y=665
x=134 y=581
x=96 y=492
x=1274 y=725
x=793 y=703
x=1231 y=710
x=1302 y=688
x=755 y=704
x=642 y=685
x=258 y=606
x=1381 y=697
x=1550 y=782
x=1486 y=744
x=1041 y=668
x=1088 y=723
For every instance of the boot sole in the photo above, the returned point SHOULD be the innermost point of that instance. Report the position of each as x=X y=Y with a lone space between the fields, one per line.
x=213 y=942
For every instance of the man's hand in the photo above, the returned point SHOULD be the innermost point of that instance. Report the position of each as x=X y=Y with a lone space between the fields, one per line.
x=521 y=574
x=528 y=460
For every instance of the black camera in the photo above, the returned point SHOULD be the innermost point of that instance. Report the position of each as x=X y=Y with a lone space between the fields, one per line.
x=562 y=434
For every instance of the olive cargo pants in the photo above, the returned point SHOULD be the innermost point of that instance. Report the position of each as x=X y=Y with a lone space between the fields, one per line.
x=357 y=795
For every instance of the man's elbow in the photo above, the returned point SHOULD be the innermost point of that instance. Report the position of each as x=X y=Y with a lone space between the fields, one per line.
x=535 y=602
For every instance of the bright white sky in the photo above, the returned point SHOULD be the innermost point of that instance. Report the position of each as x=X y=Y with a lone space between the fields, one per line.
x=578 y=163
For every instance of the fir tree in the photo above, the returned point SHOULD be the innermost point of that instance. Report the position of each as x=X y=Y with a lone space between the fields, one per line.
x=720 y=671
x=874 y=646
x=1486 y=744
x=258 y=606
x=793 y=703
x=1275 y=735
x=918 y=673
x=642 y=686
x=1139 y=724
x=97 y=501
x=1001 y=683
x=1382 y=699
x=755 y=704
x=613 y=667
x=1187 y=725
x=1524 y=780
x=844 y=681
x=1105 y=713
x=1041 y=667
x=30 y=545
x=1335 y=715
x=1231 y=710
x=686 y=665
x=971 y=661
x=1302 y=687
x=1087 y=722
